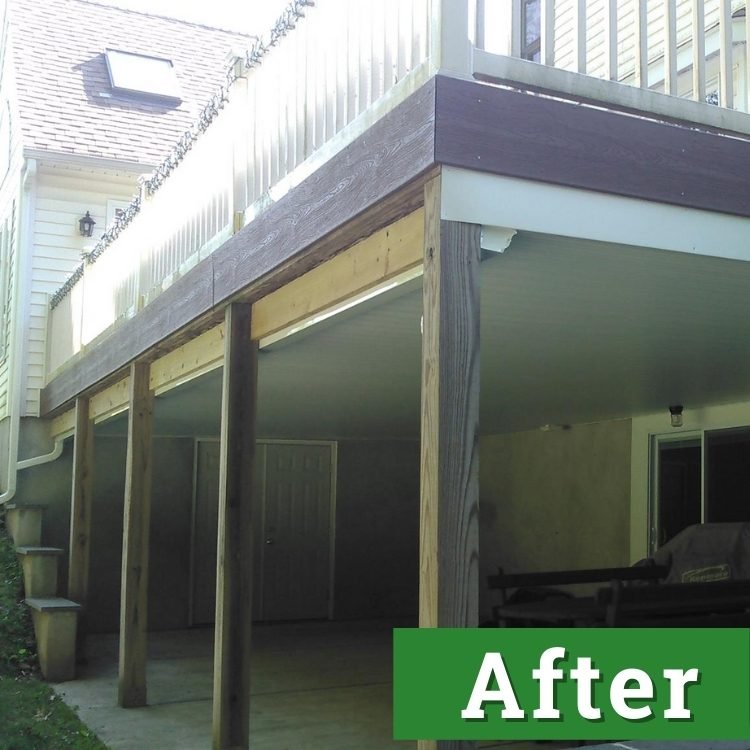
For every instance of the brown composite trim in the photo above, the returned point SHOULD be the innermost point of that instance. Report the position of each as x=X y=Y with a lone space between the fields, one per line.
x=372 y=182
x=502 y=131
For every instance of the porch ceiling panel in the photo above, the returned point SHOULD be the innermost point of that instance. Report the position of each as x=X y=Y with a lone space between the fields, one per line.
x=580 y=331
x=572 y=331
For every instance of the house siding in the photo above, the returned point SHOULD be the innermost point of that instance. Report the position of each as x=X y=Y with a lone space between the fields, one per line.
x=9 y=212
x=63 y=195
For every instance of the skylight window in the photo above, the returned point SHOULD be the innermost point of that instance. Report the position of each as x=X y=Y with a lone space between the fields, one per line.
x=141 y=74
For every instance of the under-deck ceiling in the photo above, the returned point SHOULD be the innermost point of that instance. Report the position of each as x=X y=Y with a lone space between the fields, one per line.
x=572 y=331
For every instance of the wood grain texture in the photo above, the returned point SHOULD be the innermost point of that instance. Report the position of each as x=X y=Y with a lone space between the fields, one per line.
x=372 y=261
x=490 y=129
x=234 y=575
x=80 y=505
x=135 y=542
x=110 y=400
x=449 y=487
x=201 y=354
x=63 y=424
x=374 y=181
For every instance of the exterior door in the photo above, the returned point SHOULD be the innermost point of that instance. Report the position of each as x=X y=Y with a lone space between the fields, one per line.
x=297 y=532
x=293 y=531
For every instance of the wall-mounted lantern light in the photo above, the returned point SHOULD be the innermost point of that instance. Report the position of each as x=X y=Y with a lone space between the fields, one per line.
x=675 y=415
x=86 y=225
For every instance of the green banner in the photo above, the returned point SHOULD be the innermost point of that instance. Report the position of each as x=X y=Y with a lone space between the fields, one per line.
x=561 y=684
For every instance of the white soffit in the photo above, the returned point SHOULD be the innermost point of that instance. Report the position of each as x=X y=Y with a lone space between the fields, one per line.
x=569 y=212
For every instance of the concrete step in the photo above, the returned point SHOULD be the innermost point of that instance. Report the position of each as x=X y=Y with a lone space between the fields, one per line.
x=55 y=624
x=24 y=523
x=39 y=566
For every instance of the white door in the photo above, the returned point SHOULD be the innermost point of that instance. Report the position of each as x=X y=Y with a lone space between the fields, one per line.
x=293 y=531
x=296 y=532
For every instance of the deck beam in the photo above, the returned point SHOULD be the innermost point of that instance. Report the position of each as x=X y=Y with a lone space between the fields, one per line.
x=135 y=542
x=449 y=502
x=234 y=574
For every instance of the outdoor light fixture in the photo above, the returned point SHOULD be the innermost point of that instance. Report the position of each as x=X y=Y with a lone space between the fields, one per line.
x=86 y=225
x=675 y=414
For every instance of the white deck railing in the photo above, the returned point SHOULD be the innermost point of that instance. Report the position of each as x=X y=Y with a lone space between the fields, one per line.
x=326 y=76
x=693 y=50
x=297 y=101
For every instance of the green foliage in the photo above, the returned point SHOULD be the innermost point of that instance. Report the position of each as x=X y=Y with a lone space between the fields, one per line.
x=32 y=715
x=17 y=646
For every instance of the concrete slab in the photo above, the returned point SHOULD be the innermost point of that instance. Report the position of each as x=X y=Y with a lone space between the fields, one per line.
x=318 y=686
x=321 y=686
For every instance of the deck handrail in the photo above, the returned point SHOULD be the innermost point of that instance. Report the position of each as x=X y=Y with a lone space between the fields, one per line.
x=686 y=49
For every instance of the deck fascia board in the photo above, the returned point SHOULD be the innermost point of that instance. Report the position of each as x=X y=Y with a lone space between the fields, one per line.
x=488 y=128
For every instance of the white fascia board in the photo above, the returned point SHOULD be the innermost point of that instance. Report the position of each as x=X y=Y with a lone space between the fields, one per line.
x=479 y=198
x=84 y=161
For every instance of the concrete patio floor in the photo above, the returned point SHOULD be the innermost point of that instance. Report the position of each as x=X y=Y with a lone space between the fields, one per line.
x=321 y=686
x=317 y=686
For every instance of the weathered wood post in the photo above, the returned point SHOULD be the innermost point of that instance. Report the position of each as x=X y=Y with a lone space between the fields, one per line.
x=137 y=518
x=449 y=507
x=234 y=574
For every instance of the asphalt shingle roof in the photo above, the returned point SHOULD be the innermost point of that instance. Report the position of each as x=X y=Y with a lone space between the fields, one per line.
x=65 y=100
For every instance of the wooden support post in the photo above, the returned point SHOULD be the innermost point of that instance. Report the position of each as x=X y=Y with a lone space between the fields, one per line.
x=134 y=597
x=231 y=707
x=80 y=505
x=449 y=525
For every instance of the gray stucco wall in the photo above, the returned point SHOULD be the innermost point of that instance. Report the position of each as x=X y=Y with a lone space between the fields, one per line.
x=548 y=500
x=377 y=529
x=169 y=548
x=554 y=500
x=34 y=439
x=50 y=484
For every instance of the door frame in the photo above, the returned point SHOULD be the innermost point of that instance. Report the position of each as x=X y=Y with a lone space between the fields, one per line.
x=657 y=440
x=333 y=445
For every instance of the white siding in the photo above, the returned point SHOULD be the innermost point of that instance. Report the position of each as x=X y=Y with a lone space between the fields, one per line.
x=9 y=210
x=63 y=195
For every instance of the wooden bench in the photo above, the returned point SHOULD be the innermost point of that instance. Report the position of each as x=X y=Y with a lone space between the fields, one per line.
x=713 y=604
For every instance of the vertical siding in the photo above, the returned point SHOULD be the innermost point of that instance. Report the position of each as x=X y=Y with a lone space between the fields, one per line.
x=63 y=195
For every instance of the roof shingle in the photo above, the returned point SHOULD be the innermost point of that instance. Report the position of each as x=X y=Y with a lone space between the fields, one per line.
x=65 y=100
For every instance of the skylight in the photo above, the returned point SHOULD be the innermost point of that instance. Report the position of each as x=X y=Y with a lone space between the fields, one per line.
x=141 y=74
